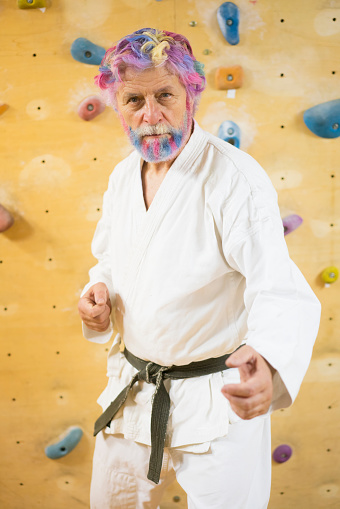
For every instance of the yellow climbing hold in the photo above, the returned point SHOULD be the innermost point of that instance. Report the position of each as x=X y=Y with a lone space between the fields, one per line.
x=330 y=275
x=31 y=4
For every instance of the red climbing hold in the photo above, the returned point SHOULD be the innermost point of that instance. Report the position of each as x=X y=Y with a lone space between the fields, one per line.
x=91 y=107
x=6 y=219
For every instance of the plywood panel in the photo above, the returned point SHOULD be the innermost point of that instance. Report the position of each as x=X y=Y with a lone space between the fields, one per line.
x=54 y=170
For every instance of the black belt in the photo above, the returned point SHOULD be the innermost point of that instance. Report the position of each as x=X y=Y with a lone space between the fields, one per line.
x=155 y=374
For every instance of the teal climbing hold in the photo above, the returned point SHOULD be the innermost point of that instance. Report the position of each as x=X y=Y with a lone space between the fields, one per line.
x=230 y=132
x=228 y=17
x=324 y=119
x=86 y=52
x=66 y=443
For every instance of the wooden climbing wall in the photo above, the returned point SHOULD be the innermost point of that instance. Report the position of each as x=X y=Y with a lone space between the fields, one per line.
x=54 y=169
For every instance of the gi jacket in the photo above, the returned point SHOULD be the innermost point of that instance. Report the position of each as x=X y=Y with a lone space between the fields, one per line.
x=203 y=270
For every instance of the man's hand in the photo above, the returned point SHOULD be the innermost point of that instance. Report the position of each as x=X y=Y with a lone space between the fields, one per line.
x=251 y=397
x=95 y=307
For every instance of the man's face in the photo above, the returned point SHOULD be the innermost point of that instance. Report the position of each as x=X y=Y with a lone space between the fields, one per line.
x=155 y=113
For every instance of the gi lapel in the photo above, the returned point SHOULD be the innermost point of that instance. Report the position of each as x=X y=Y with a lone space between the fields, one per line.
x=164 y=199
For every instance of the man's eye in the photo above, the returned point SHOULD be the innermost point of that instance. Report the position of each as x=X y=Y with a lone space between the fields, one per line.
x=166 y=95
x=133 y=99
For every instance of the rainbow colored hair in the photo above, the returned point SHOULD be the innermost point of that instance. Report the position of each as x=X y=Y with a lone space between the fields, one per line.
x=149 y=47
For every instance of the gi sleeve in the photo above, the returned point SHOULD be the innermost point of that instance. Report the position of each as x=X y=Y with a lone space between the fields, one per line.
x=101 y=272
x=283 y=314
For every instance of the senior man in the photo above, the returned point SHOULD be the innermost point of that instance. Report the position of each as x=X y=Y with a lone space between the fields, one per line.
x=192 y=267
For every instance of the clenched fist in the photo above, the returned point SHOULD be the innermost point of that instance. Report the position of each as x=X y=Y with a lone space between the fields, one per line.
x=95 y=307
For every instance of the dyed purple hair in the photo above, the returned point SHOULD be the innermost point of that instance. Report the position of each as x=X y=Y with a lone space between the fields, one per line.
x=147 y=48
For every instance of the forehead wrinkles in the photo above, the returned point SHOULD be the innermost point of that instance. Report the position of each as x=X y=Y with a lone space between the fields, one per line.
x=148 y=82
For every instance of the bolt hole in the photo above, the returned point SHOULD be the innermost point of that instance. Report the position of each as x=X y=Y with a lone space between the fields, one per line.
x=282 y=127
x=282 y=75
x=63 y=449
x=18 y=442
x=282 y=178
x=43 y=161
x=282 y=493
x=329 y=450
x=333 y=72
x=176 y=498
x=57 y=353
x=34 y=54
x=88 y=54
x=282 y=20
x=330 y=407
x=334 y=19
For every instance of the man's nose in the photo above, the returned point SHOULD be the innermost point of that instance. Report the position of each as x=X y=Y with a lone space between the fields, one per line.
x=152 y=113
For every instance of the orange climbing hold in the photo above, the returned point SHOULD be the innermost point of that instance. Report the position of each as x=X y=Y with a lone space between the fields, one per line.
x=229 y=77
x=3 y=107
x=6 y=219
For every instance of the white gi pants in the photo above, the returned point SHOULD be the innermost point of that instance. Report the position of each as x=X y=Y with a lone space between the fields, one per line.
x=234 y=474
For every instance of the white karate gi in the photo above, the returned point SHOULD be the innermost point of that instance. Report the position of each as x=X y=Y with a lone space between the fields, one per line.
x=205 y=269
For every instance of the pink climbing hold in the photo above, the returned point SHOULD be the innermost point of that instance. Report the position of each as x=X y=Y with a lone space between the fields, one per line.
x=6 y=219
x=290 y=223
x=91 y=107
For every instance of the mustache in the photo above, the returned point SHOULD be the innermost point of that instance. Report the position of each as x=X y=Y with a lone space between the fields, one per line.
x=152 y=130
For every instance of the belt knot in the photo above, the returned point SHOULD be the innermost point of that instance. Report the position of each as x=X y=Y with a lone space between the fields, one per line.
x=153 y=374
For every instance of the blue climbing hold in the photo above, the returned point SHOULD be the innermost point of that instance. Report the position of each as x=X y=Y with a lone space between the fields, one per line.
x=228 y=16
x=66 y=443
x=324 y=119
x=86 y=52
x=230 y=132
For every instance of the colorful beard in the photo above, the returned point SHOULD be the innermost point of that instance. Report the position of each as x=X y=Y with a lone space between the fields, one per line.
x=165 y=146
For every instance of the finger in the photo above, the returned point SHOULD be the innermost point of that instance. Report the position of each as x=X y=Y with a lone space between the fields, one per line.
x=252 y=386
x=98 y=327
x=98 y=310
x=250 y=407
x=100 y=296
x=241 y=356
